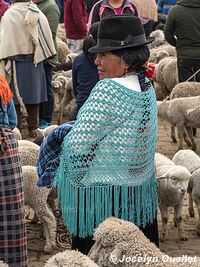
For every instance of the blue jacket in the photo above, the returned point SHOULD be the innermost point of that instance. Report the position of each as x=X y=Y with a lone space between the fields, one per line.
x=10 y=119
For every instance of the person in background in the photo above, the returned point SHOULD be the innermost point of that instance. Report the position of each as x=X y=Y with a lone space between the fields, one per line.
x=60 y=4
x=22 y=55
x=75 y=18
x=105 y=8
x=165 y=5
x=90 y=4
x=3 y=7
x=148 y=13
x=182 y=30
x=51 y=11
x=107 y=159
x=84 y=71
x=13 y=244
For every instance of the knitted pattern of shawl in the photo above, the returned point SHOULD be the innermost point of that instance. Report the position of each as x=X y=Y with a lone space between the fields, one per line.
x=107 y=160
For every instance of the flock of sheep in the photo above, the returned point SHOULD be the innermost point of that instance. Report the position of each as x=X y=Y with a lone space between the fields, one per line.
x=179 y=105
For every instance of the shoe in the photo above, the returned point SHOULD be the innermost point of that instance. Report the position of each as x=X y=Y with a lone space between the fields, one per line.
x=44 y=124
x=33 y=133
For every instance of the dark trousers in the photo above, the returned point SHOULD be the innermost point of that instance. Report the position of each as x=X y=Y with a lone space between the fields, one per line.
x=46 y=108
x=33 y=116
x=186 y=68
x=84 y=244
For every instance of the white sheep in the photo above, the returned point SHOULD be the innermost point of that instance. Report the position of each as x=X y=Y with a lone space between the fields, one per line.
x=121 y=243
x=62 y=50
x=166 y=76
x=184 y=89
x=17 y=133
x=175 y=112
x=160 y=52
x=172 y=185
x=66 y=100
x=191 y=161
x=28 y=152
x=63 y=87
x=47 y=130
x=2 y=264
x=70 y=258
x=159 y=39
x=61 y=32
x=37 y=199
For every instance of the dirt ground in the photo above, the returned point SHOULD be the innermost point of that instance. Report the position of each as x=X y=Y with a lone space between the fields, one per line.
x=172 y=247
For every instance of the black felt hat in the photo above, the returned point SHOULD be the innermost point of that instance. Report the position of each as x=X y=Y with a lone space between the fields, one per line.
x=119 y=32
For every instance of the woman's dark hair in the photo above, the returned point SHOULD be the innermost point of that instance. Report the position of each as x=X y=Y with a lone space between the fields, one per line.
x=134 y=57
x=90 y=40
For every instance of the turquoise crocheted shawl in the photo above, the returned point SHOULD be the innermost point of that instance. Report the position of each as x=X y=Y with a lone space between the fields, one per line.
x=107 y=160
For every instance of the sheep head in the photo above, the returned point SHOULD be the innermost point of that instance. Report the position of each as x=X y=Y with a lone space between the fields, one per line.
x=177 y=178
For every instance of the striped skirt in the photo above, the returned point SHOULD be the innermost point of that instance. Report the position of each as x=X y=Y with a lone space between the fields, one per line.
x=13 y=241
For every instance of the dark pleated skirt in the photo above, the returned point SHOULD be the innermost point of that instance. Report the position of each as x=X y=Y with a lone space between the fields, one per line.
x=31 y=81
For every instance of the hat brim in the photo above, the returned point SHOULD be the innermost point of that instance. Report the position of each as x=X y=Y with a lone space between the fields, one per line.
x=97 y=49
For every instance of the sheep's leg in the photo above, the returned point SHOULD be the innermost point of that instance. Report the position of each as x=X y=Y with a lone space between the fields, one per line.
x=164 y=216
x=173 y=136
x=49 y=222
x=179 y=221
x=65 y=101
x=190 y=134
x=180 y=137
x=198 y=223
x=191 y=206
x=51 y=200
x=34 y=220
x=59 y=110
x=196 y=198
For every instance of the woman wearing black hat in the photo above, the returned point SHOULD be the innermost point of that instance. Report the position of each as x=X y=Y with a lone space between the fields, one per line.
x=107 y=161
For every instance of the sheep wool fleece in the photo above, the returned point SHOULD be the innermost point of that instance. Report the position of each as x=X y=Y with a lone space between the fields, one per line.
x=107 y=160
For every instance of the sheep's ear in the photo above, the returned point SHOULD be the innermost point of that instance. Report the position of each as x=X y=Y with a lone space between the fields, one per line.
x=94 y=250
x=161 y=177
x=117 y=253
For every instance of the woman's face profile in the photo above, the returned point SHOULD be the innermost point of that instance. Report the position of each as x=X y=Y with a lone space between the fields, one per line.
x=110 y=66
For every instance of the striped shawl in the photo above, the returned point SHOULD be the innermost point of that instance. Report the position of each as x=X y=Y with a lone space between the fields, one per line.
x=29 y=33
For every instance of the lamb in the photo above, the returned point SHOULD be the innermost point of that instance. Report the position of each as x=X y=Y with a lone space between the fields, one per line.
x=159 y=39
x=158 y=53
x=191 y=161
x=17 y=133
x=184 y=89
x=3 y=264
x=37 y=199
x=27 y=143
x=172 y=185
x=70 y=258
x=63 y=87
x=28 y=152
x=67 y=98
x=166 y=75
x=61 y=32
x=121 y=243
x=175 y=112
x=62 y=49
x=47 y=130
